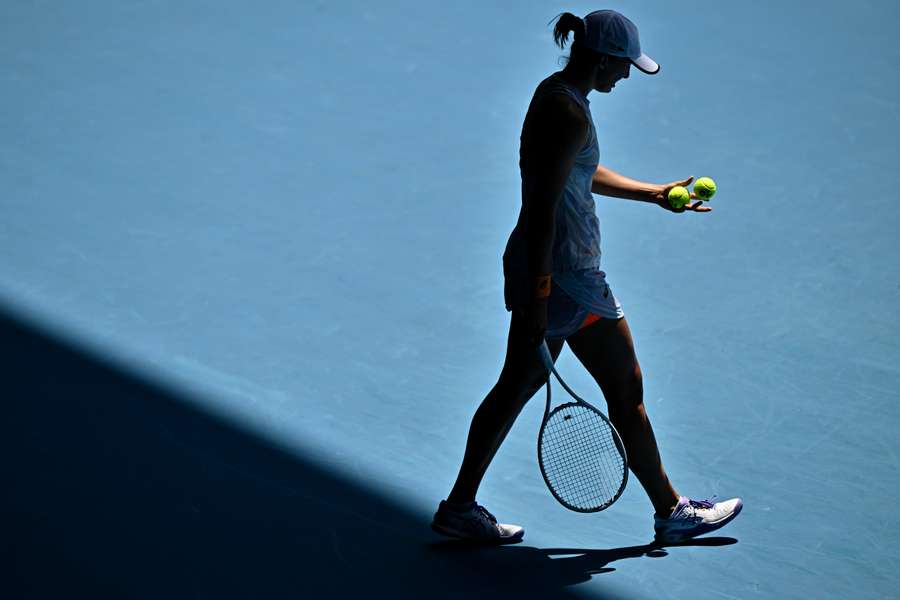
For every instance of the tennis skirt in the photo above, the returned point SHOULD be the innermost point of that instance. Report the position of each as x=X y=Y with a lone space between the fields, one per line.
x=574 y=297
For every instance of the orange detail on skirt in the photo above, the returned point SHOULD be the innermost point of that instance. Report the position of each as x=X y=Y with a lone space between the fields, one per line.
x=591 y=318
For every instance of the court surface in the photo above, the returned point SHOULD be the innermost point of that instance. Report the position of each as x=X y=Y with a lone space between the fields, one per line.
x=252 y=295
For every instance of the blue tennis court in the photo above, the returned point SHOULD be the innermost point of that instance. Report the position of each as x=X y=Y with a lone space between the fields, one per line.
x=251 y=294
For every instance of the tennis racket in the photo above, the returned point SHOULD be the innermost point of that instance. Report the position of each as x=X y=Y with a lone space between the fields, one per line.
x=580 y=453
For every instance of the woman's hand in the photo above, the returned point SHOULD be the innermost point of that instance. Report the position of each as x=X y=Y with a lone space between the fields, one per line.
x=661 y=197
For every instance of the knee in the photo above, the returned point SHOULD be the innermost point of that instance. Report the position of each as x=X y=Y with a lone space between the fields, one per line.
x=627 y=391
x=636 y=381
x=522 y=387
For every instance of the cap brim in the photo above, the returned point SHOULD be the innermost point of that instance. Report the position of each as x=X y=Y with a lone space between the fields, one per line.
x=646 y=64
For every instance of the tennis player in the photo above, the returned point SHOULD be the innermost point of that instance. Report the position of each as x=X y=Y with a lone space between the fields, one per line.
x=555 y=289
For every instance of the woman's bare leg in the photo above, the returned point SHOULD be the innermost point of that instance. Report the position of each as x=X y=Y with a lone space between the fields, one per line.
x=606 y=350
x=522 y=376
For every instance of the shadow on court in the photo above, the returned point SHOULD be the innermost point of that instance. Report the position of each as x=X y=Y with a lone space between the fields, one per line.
x=563 y=566
x=115 y=487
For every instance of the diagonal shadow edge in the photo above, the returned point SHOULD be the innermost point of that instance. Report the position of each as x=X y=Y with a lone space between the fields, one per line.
x=117 y=486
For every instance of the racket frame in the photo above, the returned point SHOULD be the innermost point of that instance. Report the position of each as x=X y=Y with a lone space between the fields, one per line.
x=544 y=352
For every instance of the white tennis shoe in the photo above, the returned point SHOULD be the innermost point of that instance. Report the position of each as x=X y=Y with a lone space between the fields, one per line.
x=695 y=517
x=473 y=522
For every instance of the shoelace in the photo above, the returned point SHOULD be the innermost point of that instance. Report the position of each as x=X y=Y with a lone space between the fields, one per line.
x=708 y=503
x=484 y=511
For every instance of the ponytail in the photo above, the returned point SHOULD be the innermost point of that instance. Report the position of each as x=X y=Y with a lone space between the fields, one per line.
x=565 y=23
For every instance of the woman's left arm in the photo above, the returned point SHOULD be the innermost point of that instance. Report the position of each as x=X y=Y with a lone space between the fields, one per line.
x=607 y=182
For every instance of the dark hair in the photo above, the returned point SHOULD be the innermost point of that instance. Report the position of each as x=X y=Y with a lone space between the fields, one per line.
x=565 y=23
x=580 y=54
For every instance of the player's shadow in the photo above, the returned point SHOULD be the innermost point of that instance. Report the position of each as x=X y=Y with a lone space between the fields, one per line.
x=560 y=567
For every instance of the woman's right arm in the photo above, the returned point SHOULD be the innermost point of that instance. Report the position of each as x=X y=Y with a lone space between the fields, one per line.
x=557 y=132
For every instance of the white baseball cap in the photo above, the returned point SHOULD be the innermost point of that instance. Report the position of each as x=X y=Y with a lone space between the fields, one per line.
x=612 y=33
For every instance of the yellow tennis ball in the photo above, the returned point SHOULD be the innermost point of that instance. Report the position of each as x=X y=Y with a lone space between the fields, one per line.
x=679 y=196
x=704 y=188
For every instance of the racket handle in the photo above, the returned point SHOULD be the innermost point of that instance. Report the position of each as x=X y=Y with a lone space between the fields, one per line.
x=544 y=352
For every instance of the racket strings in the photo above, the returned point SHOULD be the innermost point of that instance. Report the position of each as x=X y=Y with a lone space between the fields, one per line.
x=580 y=458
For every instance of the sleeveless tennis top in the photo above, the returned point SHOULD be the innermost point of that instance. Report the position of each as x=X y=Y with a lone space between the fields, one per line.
x=576 y=245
